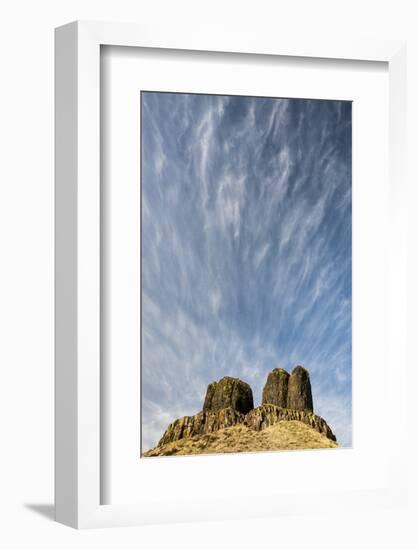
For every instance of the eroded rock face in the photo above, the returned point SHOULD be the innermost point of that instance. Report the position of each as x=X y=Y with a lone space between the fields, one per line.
x=299 y=390
x=201 y=423
x=268 y=415
x=275 y=390
x=257 y=419
x=229 y=392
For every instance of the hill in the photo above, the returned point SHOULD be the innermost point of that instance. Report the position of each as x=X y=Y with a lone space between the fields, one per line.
x=289 y=435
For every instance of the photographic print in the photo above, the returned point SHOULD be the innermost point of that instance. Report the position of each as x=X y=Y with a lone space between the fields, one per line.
x=246 y=274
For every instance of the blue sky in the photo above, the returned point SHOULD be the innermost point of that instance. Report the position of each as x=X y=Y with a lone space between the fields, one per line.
x=246 y=250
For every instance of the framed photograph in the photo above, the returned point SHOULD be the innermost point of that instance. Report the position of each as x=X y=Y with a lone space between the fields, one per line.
x=230 y=288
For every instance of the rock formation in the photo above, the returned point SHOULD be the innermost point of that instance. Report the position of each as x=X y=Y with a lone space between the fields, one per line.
x=228 y=411
x=268 y=415
x=275 y=390
x=229 y=392
x=290 y=392
x=201 y=423
x=299 y=390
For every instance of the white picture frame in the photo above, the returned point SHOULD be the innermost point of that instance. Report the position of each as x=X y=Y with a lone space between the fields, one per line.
x=77 y=364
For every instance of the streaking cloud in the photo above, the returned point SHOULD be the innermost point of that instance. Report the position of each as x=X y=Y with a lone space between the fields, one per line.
x=246 y=250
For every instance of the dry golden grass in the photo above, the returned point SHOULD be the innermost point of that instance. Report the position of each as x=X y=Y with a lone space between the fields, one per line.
x=289 y=435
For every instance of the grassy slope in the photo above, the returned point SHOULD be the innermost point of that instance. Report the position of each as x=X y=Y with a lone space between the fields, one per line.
x=237 y=439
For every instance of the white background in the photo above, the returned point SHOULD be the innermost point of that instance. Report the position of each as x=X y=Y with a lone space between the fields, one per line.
x=26 y=273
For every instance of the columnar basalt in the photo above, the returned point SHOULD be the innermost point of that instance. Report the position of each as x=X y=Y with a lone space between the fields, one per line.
x=268 y=415
x=201 y=423
x=275 y=390
x=229 y=392
x=257 y=419
x=299 y=390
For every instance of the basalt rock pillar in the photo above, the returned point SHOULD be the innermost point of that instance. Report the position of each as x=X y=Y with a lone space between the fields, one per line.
x=229 y=392
x=299 y=390
x=275 y=391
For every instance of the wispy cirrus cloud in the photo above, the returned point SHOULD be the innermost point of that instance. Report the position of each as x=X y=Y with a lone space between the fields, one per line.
x=246 y=249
